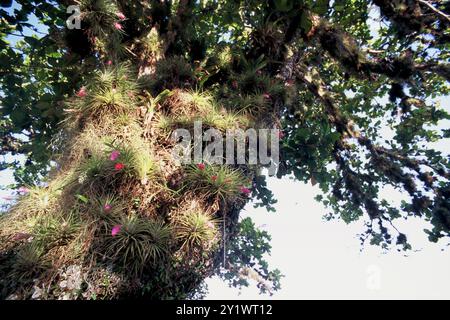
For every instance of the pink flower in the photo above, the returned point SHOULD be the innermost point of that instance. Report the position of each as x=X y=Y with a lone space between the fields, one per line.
x=214 y=178
x=120 y=15
x=119 y=166
x=210 y=225
x=259 y=72
x=114 y=155
x=267 y=96
x=115 y=230
x=280 y=134
x=289 y=83
x=118 y=26
x=245 y=191
x=23 y=190
x=107 y=207
x=82 y=92
x=201 y=166
x=109 y=62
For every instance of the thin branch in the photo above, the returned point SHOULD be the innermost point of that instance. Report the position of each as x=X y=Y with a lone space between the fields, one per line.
x=436 y=10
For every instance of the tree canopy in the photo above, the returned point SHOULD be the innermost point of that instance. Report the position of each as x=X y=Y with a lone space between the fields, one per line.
x=354 y=86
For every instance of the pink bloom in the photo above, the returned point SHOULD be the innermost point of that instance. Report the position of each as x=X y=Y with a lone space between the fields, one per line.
x=109 y=62
x=259 y=72
x=118 y=26
x=201 y=166
x=280 y=134
x=82 y=92
x=115 y=230
x=267 y=96
x=114 y=155
x=245 y=191
x=289 y=83
x=210 y=225
x=23 y=190
x=107 y=207
x=214 y=178
x=119 y=166
x=121 y=16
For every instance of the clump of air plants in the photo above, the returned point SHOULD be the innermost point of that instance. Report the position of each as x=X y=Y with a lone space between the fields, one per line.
x=102 y=21
x=105 y=208
x=221 y=120
x=135 y=158
x=38 y=202
x=56 y=230
x=115 y=162
x=28 y=263
x=188 y=102
x=134 y=243
x=183 y=108
x=221 y=182
x=196 y=230
x=110 y=91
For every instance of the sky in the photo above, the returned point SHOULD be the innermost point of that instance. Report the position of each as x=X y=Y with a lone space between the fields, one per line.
x=324 y=260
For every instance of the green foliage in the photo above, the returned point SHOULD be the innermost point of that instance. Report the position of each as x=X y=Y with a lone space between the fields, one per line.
x=249 y=247
x=358 y=102
x=140 y=244
x=108 y=92
x=133 y=161
x=215 y=181
x=52 y=231
x=196 y=230
x=28 y=263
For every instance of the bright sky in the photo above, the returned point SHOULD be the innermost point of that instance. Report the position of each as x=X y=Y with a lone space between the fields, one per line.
x=323 y=260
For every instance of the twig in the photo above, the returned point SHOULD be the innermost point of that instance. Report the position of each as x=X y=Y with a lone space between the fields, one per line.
x=436 y=10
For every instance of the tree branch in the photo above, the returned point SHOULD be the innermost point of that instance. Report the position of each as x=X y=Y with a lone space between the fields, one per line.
x=436 y=10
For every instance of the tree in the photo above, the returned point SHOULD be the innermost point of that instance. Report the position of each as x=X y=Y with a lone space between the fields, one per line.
x=107 y=212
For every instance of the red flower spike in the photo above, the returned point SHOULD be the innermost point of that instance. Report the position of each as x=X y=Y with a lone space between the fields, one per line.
x=119 y=166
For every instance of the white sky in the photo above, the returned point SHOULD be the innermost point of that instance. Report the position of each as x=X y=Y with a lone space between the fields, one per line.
x=323 y=260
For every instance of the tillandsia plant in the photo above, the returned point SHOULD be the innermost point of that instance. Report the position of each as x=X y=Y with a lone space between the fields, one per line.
x=91 y=91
